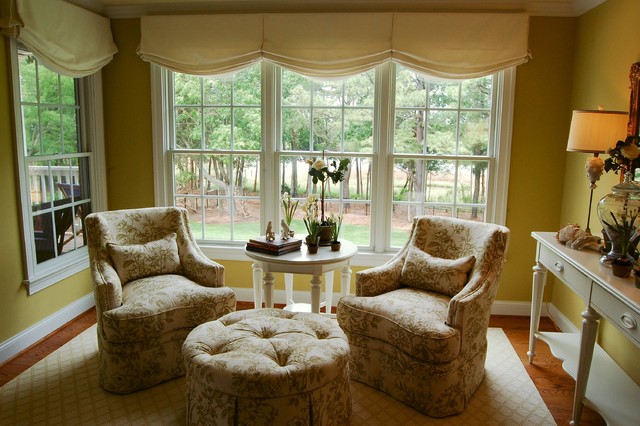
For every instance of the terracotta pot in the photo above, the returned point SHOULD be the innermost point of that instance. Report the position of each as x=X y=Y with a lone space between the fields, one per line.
x=312 y=248
x=325 y=235
x=622 y=267
x=335 y=245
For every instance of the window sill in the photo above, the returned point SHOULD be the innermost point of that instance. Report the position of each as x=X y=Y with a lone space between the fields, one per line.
x=60 y=269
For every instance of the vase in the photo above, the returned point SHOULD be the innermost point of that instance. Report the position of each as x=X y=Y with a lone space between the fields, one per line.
x=335 y=245
x=312 y=248
x=325 y=235
x=618 y=206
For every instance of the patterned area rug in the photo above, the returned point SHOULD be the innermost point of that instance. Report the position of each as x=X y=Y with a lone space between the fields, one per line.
x=63 y=389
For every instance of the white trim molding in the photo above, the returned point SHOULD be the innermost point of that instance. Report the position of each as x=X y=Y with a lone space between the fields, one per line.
x=21 y=341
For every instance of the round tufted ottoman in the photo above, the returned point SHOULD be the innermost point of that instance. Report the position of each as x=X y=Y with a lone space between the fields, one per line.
x=267 y=367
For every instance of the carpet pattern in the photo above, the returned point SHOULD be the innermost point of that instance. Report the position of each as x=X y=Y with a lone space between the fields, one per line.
x=62 y=389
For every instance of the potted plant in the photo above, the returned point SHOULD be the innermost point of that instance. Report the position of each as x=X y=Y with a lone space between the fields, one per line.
x=321 y=172
x=336 y=224
x=312 y=223
x=623 y=231
x=289 y=208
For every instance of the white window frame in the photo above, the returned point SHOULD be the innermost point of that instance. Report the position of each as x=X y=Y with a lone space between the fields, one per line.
x=498 y=185
x=45 y=274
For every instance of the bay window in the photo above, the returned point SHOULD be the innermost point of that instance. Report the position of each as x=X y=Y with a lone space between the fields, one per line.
x=229 y=146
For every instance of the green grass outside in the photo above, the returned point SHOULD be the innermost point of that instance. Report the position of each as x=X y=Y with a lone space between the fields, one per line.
x=358 y=234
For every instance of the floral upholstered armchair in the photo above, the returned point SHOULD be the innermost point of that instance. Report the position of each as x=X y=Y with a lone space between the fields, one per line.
x=417 y=326
x=152 y=286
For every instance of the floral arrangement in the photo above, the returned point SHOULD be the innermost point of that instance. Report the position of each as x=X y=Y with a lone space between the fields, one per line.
x=625 y=156
x=289 y=207
x=321 y=172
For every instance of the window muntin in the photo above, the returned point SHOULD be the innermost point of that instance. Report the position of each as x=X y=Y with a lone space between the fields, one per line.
x=384 y=162
x=56 y=164
x=443 y=147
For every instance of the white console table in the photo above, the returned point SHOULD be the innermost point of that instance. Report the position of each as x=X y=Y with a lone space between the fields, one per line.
x=600 y=382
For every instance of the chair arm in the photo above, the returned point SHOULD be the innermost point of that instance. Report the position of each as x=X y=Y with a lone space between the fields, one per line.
x=470 y=310
x=199 y=268
x=380 y=279
x=108 y=287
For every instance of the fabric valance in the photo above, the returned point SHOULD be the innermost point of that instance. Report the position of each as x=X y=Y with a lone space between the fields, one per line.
x=450 y=45
x=66 y=38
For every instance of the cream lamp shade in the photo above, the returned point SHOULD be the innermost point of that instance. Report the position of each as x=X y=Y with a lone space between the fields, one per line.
x=596 y=131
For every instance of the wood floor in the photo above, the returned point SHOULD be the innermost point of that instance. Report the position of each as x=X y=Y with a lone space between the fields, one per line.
x=553 y=383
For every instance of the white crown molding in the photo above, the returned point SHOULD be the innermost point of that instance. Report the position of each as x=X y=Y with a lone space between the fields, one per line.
x=119 y=9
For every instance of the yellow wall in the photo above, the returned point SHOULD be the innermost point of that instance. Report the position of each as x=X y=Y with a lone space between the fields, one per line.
x=606 y=46
x=540 y=196
x=17 y=310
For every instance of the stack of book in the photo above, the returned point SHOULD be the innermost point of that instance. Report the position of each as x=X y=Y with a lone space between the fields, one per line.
x=276 y=247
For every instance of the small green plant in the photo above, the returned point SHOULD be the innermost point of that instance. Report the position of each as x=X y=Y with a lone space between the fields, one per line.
x=289 y=207
x=336 y=223
x=623 y=228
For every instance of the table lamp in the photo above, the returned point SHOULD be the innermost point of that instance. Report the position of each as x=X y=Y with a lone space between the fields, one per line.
x=594 y=132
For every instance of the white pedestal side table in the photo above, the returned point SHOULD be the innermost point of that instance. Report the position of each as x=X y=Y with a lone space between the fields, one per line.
x=301 y=262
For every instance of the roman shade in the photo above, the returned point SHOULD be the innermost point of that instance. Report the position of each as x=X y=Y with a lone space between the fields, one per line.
x=68 y=39
x=451 y=45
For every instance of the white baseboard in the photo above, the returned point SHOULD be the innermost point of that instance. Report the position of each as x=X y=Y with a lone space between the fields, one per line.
x=560 y=320
x=33 y=334
x=500 y=307
x=21 y=341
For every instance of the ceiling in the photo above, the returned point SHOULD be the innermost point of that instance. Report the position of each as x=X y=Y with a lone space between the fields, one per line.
x=136 y=8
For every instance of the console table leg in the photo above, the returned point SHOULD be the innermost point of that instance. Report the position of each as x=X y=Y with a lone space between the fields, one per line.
x=539 y=280
x=268 y=280
x=257 y=281
x=587 y=343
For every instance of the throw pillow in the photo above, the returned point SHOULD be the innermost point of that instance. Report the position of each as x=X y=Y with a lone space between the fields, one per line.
x=142 y=260
x=426 y=272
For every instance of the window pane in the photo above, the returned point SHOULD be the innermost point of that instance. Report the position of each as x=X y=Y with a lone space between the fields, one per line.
x=411 y=89
x=472 y=182
x=217 y=128
x=409 y=132
x=246 y=86
x=327 y=126
x=443 y=94
x=187 y=89
x=442 y=132
x=440 y=180
x=247 y=128
x=31 y=130
x=216 y=92
x=28 y=81
x=296 y=128
x=188 y=132
x=359 y=90
x=358 y=130
x=476 y=93
x=296 y=89
x=401 y=221
x=70 y=131
x=67 y=91
x=327 y=93
x=39 y=182
x=474 y=133
x=48 y=86
x=51 y=131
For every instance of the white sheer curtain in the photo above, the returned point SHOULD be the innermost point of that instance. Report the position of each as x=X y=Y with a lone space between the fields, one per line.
x=451 y=45
x=66 y=38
